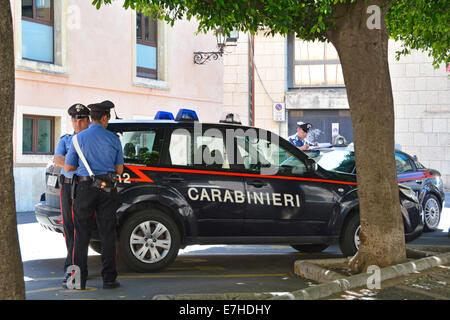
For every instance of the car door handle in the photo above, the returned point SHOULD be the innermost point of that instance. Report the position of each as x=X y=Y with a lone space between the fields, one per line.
x=173 y=179
x=257 y=183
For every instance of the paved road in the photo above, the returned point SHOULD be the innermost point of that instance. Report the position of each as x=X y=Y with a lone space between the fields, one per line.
x=198 y=269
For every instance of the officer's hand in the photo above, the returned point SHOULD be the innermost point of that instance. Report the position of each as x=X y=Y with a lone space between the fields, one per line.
x=119 y=169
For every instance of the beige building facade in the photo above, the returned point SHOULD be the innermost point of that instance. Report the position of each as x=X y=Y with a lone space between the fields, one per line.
x=308 y=80
x=68 y=52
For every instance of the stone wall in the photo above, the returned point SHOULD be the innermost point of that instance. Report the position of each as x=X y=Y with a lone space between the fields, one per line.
x=422 y=109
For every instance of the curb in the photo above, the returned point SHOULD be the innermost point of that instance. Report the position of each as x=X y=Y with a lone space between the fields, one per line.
x=360 y=280
x=318 y=270
x=325 y=289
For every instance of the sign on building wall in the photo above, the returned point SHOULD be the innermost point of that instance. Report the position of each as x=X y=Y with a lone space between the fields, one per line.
x=279 y=112
x=334 y=129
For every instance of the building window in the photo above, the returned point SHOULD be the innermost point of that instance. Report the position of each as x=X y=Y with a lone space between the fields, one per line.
x=37 y=30
x=314 y=64
x=146 y=47
x=38 y=134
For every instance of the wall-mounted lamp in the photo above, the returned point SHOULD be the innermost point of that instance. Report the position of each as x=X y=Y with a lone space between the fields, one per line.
x=201 y=57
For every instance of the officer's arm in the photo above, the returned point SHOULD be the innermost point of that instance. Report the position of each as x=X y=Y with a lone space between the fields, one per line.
x=118 y=162
x=69 y=168
x=71 y=159
x=59 y=160
x=59 y=157
x=304 y=147
x=119 y=168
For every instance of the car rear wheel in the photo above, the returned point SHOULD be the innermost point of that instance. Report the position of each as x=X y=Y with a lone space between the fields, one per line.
x=149 y=240
x=309 y=248
x=349 y=242
x=432 y=212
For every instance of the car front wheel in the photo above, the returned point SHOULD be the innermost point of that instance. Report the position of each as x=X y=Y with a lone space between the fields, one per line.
x=432 y=212
x=149 y=240
x=349 y=242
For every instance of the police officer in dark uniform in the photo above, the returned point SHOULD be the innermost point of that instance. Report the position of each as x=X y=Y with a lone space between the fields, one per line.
x=299 y=139
x=80 y=121
x=96 y=194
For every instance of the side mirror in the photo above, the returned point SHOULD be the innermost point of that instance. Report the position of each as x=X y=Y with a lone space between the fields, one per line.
x=311 y=165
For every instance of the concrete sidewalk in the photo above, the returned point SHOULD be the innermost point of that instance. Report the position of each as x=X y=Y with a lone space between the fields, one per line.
x=425 y=276
x=431 y=284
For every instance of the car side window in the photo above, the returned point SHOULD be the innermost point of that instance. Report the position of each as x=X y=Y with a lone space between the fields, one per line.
x=403 y=164
x=204 y=151
x=419 y=165
x=262 y=155
x=180 y=148
x=141 y=147
x=210 y=152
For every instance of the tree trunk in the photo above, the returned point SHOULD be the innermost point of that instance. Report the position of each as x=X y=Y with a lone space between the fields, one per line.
x=12 y=285
x=363 y=53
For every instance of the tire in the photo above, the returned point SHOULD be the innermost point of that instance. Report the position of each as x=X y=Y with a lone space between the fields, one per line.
x=432 y=212
x=149 y=240
x=349 y=242
x=310 y=248
x=96 y=246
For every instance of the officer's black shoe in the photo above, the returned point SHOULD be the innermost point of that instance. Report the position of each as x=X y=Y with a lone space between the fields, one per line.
x=111 y=285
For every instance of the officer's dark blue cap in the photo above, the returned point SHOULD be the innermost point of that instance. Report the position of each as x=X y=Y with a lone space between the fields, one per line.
x=304 y=126
x=102 y=107
x=78 y=111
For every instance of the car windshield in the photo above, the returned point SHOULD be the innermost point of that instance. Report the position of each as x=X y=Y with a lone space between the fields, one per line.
x=341 y=161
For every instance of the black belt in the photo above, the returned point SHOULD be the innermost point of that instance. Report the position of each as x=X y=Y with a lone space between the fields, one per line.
x=81 y=179
x=67 y=180
x=86 y=178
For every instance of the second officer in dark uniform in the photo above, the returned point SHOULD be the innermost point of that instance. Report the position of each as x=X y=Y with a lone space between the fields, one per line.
x=103 y=152
x=80 y=121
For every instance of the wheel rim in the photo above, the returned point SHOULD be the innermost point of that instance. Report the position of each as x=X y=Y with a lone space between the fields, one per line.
x=150 y=241
x=432 y=213
x=356 y=237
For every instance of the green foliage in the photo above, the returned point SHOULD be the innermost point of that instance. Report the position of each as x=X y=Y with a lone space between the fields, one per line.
x=420 y=24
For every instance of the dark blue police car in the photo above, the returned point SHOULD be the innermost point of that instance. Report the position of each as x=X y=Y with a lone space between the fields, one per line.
x=187 y=182
x=425 y=182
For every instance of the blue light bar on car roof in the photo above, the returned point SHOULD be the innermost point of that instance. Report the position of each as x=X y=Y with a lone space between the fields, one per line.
x=164 y=115
x=186 y=115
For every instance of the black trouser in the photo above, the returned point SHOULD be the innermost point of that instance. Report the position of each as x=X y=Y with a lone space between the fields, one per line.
x=65 y=199
x=88 y=201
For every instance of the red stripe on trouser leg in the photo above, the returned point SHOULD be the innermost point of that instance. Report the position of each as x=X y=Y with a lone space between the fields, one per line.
x=62 y=215
x=74 y=235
